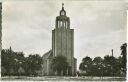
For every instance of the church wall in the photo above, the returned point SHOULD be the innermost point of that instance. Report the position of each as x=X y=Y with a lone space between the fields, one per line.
x=46 y=68
x=70 y=46
x=44 y=71
x=70 y=55
x=53 y=41
x=63 y=44
x=72 y=49
x=58 y=41
x=62 y=40
x=74 y=66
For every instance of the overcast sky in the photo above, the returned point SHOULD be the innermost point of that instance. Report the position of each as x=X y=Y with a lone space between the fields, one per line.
x=99 y=26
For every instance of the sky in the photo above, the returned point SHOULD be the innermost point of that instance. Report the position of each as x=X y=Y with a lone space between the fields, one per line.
x=99 y=26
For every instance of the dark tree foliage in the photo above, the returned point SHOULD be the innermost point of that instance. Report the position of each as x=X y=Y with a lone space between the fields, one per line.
x=33 y=64
x=124 y=57
x=11 y=61
x=97 y=65
x=86 y=65
x=108 y=66
x=14 y=63
x=60 y=64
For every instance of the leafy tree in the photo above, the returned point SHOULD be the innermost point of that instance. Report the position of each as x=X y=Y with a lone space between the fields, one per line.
x=110 y=63
x=3 y=71
x=11 y=61
x=33 y=63
x=82 y=66
x=86 y=65
x=60 y=64
x=7 y=61
x=14 y=63
x=118 y=66
x=97 y=66
x=108 y=66
x=124 y=56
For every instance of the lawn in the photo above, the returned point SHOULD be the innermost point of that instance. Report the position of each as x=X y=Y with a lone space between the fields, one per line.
x=62 y=78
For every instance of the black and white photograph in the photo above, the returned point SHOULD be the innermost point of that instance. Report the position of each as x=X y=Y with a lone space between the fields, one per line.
x=63 y=40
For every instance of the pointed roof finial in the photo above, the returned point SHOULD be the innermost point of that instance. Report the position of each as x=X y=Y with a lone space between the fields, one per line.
x=62 y=12
x=62 y=4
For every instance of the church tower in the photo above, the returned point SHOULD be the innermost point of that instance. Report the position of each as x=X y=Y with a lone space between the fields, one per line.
x=63 y=40
x=62 y=20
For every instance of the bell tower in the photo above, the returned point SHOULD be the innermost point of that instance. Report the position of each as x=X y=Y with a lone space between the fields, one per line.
x=63 y=40
x=62 y=20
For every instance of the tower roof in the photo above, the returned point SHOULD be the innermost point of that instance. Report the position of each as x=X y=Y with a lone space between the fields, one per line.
x=62 y=12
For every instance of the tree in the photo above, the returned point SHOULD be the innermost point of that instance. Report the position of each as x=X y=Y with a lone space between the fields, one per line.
x=32 y=64
x=3 y=71
x=124 y=56
x=110 y=65
x=86 y=65
x=7 y=61
x=82 y=66
x=11 y=61
x=118 y=66
x=60 y=64
x=97 y=66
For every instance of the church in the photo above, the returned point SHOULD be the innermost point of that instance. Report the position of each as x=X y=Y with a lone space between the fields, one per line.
x=62 y=44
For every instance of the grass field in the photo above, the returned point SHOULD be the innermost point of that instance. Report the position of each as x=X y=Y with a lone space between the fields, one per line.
x=60 y=78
